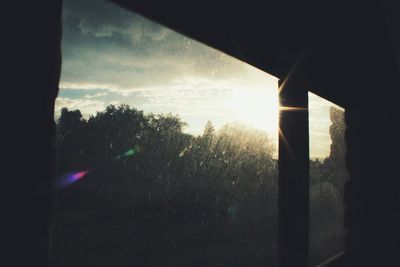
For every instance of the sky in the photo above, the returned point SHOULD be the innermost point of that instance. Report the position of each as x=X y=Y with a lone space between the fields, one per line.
x=114 y=56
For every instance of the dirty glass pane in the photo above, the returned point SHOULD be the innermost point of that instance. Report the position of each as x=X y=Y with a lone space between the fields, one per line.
x=328 y=177
x=167 y=149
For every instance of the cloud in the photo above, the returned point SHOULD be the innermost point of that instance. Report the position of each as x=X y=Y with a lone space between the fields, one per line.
x=95 y=95
x=86 y=106
x=109 y=46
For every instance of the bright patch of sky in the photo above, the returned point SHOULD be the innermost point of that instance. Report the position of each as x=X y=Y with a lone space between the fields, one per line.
x=319 y=124
x=114 y=56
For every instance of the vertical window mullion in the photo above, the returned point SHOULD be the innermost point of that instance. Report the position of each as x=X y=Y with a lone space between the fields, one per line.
x=294 y=168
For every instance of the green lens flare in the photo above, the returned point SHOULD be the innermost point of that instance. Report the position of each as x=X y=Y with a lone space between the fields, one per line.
x=130 y=152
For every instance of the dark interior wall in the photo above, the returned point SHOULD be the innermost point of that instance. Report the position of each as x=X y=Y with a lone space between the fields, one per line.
x=353 y=54
x=371 y=78
x=31 y=70
x=372 y=199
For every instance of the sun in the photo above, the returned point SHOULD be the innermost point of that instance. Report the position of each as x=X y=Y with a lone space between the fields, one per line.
x=258 y=107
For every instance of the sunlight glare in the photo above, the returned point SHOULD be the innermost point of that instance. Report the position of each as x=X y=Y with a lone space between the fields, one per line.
x=257 y=107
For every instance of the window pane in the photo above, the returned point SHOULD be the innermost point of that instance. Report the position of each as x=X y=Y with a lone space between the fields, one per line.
x=327 y=179
x=167 y=148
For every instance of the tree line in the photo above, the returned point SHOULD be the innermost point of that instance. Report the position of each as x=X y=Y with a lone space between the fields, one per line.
x=137 y=157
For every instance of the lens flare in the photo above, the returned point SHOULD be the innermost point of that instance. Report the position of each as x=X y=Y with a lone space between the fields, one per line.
x=130 y=152
x=286 y=108
x=71 y=177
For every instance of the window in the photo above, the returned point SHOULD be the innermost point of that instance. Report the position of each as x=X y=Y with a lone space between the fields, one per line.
x=328 y=177
x=167 y=148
